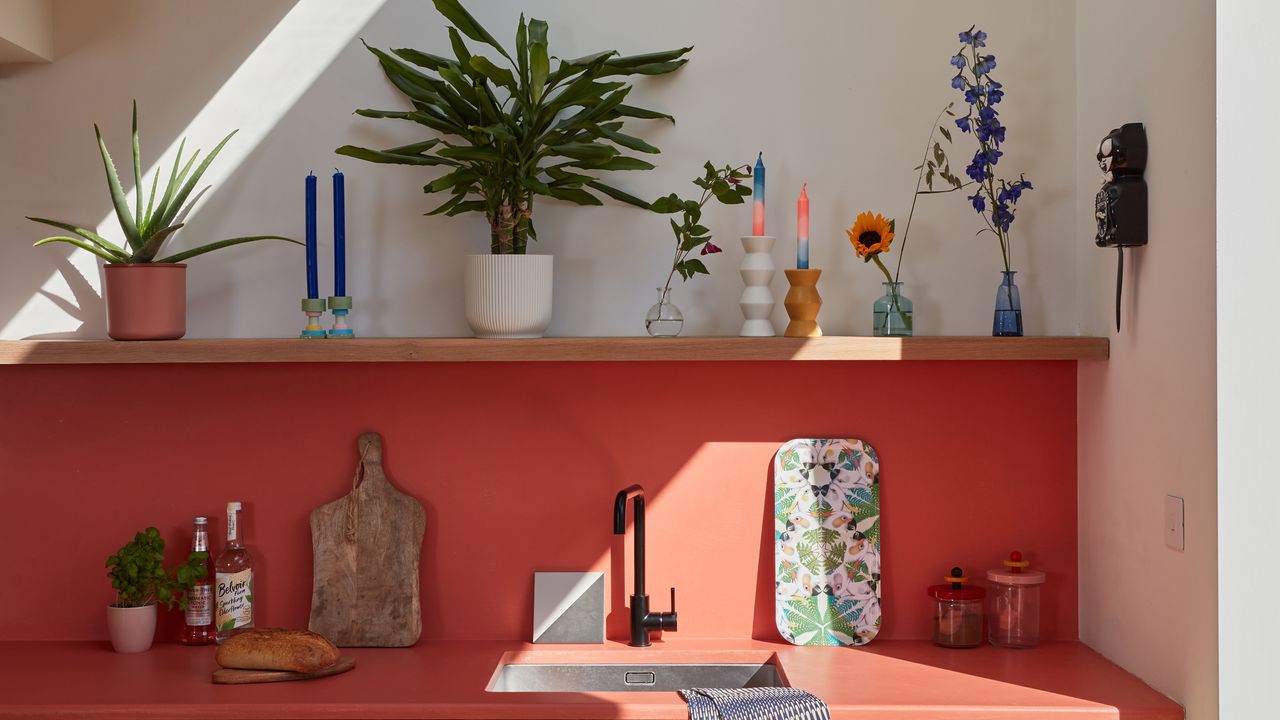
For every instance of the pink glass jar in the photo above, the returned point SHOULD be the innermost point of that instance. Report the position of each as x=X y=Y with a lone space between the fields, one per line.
x=1015 y=604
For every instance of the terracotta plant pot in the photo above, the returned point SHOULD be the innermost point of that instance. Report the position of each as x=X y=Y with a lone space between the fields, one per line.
x=146 y=301
x=131 y=628
x=508 y=296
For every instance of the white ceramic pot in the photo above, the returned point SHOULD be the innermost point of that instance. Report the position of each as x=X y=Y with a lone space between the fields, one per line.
x=131 y=628
x=508 y=296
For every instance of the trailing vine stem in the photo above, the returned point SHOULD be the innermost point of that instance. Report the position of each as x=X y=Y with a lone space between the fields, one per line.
x=906 y=231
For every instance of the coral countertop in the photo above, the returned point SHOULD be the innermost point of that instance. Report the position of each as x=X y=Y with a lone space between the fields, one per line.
x=886 y=680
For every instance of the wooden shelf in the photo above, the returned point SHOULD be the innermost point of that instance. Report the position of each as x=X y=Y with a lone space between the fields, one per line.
x=60 y=352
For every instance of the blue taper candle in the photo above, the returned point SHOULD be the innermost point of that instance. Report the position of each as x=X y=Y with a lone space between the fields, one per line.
x=313 y=284
x=339 y=234
x=757 y=206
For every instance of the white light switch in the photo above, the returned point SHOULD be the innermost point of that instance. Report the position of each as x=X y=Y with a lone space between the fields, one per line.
x=1174 y=531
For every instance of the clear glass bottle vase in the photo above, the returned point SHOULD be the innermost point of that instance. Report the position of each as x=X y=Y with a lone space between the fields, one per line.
x=1008 y=316
x=664 y=319
x=892 y=313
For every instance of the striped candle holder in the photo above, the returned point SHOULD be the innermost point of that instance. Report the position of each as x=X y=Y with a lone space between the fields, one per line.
x=313 y=308
x=340 y=305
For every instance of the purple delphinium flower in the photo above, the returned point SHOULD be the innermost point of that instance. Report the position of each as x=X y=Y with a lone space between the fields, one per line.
x=976 y=170
x=1002 y=216
x=994 y=198
x=994 y=93
x=710 y=249
x=997 y=132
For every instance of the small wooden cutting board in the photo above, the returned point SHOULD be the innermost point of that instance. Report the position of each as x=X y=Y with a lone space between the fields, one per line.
x=230 y=676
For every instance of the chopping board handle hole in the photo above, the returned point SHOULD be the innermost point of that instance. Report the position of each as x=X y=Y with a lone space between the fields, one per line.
x=371 y=447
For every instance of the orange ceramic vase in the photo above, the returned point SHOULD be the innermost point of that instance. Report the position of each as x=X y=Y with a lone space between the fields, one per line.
x=146 y=301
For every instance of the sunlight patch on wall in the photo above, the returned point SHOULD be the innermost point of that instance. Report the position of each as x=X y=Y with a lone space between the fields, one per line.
x=256 y=96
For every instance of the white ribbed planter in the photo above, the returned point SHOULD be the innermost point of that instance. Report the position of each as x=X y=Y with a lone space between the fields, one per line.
x=508 y=296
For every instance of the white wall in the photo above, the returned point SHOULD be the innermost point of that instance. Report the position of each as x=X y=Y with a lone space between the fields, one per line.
x=838 y=94
x=26 y=31
x=1146 y=416
x=1248 y=355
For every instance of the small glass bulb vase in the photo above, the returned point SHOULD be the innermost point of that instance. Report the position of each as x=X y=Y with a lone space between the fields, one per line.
x=892 y=313
x=1008 y=316
x=803 y=303
x=664 y=319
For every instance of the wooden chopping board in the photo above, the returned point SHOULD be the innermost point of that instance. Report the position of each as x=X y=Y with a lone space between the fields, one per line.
x=230 y=676
x=366 y=547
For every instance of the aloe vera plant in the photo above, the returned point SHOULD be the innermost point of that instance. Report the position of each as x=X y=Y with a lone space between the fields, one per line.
x=540 y=126
x=146 y=228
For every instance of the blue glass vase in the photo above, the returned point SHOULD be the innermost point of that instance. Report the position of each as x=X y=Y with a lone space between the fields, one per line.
x=1008 y=318
x=892 y=313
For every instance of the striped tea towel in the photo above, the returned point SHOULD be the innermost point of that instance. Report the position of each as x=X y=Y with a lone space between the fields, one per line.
x=766 y=703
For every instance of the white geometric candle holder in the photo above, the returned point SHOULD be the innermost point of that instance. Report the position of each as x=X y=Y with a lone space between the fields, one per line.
x=757 y=299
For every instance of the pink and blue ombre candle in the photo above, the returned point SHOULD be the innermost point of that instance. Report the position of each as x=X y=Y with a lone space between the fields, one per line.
x=339 y=234
x=313 y=284
x=757 y=208
x=802 y=229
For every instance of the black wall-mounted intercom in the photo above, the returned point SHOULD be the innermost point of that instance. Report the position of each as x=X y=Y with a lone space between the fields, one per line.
x=1121 y=204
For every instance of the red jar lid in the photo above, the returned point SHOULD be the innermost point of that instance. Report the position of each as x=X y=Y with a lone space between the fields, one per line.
x=947 y=592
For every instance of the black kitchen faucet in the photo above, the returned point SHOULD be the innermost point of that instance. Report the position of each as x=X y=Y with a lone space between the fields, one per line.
x=642 y=621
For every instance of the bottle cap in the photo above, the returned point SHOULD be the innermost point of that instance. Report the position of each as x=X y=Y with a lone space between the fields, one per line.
x=956 y=589
x=202 y=520
x=1015 y=572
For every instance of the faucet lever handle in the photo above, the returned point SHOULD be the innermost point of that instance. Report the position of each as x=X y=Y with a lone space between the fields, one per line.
x=673 y=601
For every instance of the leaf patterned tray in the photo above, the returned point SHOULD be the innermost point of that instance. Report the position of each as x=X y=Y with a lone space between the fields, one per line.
x=826 y=502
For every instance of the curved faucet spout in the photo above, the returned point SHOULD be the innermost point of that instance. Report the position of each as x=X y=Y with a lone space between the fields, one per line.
x=620 y=507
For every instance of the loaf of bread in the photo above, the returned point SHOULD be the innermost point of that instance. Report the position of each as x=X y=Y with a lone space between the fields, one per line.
x=277 y=649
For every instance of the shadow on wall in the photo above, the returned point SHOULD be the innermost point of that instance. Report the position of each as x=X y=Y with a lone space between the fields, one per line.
x=179 y=54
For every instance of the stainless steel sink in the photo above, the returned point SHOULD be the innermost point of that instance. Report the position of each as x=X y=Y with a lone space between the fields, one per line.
x=656 y=677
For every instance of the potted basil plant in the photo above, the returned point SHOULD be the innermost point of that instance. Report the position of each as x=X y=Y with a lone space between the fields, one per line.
x=141 y=582
x=147 y=295
x=507 y=132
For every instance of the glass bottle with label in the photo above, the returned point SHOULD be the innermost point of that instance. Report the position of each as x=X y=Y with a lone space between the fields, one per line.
x=234 y=581
x=199 y=613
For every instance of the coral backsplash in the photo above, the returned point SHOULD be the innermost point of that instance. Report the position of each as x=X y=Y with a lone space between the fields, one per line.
x=517 y=465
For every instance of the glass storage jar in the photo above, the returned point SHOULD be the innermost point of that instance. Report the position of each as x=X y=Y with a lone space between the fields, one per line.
x=1015 y=604
x=957 y=612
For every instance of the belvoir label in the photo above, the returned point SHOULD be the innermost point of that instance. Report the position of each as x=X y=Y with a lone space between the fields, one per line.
x=234 y=600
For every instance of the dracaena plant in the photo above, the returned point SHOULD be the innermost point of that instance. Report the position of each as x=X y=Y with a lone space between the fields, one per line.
x=147 y=227
x=528 y=125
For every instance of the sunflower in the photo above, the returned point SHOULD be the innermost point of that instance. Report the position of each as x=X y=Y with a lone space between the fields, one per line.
x=871 y=234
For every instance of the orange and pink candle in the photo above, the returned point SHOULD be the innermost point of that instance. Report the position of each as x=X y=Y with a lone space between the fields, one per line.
x=802 y=229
